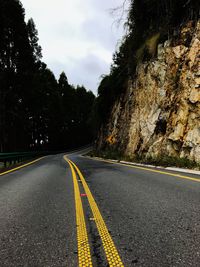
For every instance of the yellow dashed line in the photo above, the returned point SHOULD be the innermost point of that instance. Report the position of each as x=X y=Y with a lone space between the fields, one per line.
x=111 y=252
x=20 y=167
x=84 y=255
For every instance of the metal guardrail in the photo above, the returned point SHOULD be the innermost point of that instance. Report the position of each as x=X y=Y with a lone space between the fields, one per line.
x=8 y=159
x=16 y=157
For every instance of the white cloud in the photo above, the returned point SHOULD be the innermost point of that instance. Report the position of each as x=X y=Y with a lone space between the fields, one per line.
x=77 y=36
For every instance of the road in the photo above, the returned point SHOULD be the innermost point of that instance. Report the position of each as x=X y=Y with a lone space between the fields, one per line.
x=121 y=215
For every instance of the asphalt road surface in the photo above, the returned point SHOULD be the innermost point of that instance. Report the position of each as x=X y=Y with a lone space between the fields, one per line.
x=112 y=215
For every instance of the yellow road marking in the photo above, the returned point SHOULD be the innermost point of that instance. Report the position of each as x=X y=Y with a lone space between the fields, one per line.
x=20 y=167
x=84 y=255
x=151 y=170
x=111 y=252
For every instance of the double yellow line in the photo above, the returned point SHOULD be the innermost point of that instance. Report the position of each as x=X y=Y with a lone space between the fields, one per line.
x=84 y=253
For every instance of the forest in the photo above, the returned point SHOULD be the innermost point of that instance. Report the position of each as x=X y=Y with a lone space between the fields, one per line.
x=37 y=112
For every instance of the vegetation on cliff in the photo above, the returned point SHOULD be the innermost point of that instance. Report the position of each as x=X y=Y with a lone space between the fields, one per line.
x=149 y=22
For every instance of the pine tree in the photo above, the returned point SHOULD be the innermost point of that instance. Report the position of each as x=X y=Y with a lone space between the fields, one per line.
x=15 y=59
x=33 y=40
x=36 y=111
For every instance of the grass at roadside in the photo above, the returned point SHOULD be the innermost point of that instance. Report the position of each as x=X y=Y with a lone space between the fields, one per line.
x=164 y=161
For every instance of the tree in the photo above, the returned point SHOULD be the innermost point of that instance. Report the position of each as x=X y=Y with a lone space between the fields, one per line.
x=37 y=112
x=76 y=106
x=33 y=40
x=15 y=59
x=148 y=22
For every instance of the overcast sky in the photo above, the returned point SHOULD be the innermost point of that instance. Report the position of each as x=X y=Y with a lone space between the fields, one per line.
x=77 y=36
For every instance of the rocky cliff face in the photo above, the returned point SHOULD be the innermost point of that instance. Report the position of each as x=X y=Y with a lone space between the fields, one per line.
x=159 y=114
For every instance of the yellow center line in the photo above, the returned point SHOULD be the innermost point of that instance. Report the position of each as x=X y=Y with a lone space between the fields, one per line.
x=84 y=255
x=20 y=167
x=150 y=170
x=111 y=252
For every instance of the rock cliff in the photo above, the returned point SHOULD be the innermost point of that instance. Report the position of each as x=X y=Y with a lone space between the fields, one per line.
x=159 y=114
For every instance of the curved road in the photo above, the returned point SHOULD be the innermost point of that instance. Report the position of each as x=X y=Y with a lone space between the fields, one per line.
x=145 y=218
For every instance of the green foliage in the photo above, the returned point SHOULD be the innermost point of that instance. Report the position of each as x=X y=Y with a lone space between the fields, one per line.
x=109 y=90
x=109 y=153
x=164 y=160
x=147 y=49
x=36 y=111
x=152 y=43
x=148 y=22
x=33 y=40
x=16 y=62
